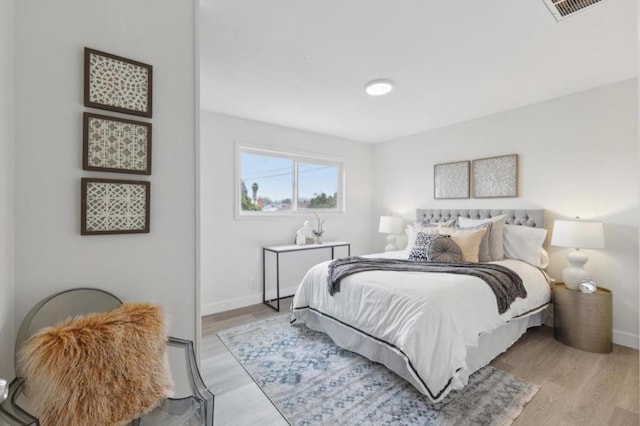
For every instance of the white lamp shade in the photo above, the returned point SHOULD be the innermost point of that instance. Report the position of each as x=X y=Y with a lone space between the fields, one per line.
x=578 y=234
x=390 y=225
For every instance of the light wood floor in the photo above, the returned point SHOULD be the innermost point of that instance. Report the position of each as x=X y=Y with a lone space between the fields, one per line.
x=577 y=388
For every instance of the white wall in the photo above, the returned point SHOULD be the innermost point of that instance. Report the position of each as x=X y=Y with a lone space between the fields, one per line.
x=231 y=263
x=578 y=156
x=51 y=255
x=6 y=188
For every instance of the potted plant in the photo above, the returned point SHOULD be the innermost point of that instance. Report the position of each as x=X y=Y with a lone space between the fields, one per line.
x=319 y=230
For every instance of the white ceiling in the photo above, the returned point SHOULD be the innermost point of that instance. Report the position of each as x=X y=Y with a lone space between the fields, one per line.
x=303 y=63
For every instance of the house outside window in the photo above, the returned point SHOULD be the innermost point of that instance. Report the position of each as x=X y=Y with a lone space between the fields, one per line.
x=281 y=183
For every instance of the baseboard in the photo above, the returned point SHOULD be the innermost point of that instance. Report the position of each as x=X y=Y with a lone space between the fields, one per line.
x=230 y=304
x=240 y=302
x=626 y=339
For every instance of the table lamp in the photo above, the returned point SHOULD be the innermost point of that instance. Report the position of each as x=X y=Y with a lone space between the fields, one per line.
x=391 y=225
x=577 y=234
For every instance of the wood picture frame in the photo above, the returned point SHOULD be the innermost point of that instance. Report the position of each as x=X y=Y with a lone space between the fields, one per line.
x=495 y=177
x=130 y=83
x=114 y=206
x=451 y=180
x=117 y=145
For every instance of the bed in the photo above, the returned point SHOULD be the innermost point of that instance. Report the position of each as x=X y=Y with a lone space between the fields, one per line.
x=432 y=329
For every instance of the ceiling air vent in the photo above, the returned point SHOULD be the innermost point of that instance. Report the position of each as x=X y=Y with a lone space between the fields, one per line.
x=562 y=9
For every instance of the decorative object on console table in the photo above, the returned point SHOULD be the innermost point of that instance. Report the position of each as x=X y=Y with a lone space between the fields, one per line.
x=285 y=266
x=117 y=84
x=451 y=180
x=110 y=206
x=495 y=177
x=583 y=320
x=117 y=145
x=577 y=234
x=305 y=234
x=319 y=230
x=391 y=225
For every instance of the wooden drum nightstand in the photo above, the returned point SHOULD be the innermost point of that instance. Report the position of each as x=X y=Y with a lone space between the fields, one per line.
x=583 y=321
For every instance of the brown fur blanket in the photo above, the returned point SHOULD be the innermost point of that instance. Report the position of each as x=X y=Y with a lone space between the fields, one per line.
x=98 y=369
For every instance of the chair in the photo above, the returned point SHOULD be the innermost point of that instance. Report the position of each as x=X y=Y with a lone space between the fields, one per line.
x=193 y=409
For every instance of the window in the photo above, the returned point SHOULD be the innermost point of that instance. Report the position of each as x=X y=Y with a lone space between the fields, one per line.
x=283 y=183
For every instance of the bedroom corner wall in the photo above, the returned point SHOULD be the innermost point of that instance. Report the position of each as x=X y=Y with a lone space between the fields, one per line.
x=7 y=298
x=578 y=155
x=51 y=255
x=231 y=249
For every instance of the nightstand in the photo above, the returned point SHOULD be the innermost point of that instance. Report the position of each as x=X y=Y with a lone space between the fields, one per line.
x=582 y=320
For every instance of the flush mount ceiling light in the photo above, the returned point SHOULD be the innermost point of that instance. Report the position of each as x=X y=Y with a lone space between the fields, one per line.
x=378 y=87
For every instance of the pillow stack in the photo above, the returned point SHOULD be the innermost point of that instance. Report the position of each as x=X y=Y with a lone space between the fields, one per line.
x=479 y=240
x=467 y=240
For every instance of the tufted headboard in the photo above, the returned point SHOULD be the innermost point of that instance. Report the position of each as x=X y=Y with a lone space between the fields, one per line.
x=525 y=217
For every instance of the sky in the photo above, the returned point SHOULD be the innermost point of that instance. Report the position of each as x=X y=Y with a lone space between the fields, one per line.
x=274 y=176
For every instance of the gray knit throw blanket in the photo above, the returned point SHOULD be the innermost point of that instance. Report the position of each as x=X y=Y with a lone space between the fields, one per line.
x=505 y=284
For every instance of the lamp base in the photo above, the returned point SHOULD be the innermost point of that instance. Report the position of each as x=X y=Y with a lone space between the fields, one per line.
x=391 y=243
x=573 y=274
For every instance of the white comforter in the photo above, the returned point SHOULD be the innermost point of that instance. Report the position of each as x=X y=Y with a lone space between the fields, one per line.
x=431 y=317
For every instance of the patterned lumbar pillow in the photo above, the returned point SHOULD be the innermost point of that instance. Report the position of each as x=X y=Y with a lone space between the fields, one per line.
x=443 y=249
x=419 y=250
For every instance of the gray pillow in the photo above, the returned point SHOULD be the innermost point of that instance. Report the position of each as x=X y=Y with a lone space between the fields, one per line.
x=484 y=254
x=443 y=249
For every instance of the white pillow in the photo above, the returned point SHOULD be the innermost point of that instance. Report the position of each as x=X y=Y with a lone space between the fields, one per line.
x=524 y=243
x=411 y=231
x=496 y=238
x=544 y=258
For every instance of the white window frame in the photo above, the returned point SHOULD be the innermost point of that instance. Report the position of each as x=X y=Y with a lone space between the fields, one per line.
x=296 y=157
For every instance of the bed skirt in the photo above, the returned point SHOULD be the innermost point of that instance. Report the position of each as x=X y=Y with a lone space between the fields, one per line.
x=490 y=345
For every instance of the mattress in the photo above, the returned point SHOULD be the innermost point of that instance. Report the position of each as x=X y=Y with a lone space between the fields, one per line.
x=423 y=326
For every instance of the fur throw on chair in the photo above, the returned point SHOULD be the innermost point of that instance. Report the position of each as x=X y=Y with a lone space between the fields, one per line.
x=98 y=369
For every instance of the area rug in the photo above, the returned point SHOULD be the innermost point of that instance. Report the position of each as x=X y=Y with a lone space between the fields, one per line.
x=312 y=381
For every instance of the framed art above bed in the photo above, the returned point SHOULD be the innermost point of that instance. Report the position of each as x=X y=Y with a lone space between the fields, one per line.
x=451 y=180
x=495 y=177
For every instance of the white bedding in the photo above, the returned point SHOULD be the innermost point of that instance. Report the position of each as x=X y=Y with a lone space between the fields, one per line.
x=429 y=318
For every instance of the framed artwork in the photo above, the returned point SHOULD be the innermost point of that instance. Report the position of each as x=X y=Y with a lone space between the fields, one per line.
x=111 y=144
x=110 y=206
x=451 y=180
x=117 y=84
x=495 y=177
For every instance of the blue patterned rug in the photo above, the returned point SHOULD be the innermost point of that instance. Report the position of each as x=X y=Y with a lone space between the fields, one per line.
x=313 y=381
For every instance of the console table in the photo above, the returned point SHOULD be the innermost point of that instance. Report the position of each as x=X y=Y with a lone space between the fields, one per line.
x=285 y=266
